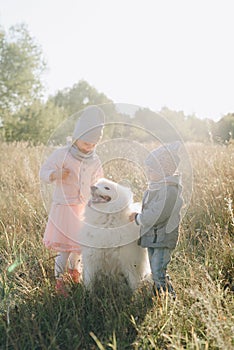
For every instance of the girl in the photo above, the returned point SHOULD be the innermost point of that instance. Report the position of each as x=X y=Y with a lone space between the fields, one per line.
x=73 y=169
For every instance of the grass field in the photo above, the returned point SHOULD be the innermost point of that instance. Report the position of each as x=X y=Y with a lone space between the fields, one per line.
x=32 y=316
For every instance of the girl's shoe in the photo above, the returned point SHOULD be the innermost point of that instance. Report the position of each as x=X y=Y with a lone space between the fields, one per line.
x=61 y=288
x=75 y=275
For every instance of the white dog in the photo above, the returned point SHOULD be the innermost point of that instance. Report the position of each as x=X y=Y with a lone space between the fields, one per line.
x=108 y=240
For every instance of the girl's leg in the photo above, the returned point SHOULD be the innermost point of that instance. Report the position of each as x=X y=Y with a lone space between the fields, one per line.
x=59 y=270
x=74 y=270
x=61 y=264
x=74 y=261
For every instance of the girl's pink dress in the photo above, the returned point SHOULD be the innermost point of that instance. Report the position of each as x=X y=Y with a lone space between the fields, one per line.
x=69 y=198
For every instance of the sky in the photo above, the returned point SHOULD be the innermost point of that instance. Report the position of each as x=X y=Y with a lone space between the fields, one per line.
x=149 y=53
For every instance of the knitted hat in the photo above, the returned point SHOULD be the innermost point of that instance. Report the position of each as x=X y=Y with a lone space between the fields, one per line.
x=164 y=160
x=89 y=127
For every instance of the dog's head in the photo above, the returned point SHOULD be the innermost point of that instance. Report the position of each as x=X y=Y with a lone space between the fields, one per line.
x=110 y=197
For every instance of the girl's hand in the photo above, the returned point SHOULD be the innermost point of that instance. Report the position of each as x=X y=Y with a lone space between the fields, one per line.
x=132 y=216
x=63 y=173
x=59 y=174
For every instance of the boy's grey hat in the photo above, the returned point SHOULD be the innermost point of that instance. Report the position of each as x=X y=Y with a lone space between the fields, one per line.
x=164 y=160
x=89 y=127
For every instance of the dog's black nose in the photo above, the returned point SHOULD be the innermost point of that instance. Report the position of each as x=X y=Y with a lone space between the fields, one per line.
x=93 y=188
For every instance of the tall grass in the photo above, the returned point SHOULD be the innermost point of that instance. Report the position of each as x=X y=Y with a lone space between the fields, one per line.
x=111 y=317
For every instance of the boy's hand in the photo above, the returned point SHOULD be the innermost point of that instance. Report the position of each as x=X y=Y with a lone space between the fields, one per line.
x=132 y=216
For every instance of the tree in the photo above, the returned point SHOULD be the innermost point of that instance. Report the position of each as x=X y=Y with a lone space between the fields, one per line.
x=34 y=123
x=78 y=97
x=159 y=124
x=21 y=66
x=225 y=128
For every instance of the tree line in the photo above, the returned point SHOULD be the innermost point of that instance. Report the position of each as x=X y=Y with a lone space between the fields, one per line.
x=26 y=115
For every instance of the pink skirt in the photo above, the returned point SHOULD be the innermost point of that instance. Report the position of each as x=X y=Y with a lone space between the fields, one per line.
x=62 y=229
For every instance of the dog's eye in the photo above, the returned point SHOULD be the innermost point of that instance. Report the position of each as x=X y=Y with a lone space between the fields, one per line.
x=107 y=188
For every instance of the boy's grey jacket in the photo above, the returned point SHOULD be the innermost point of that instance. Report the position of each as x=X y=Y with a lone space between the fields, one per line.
x=160 y=216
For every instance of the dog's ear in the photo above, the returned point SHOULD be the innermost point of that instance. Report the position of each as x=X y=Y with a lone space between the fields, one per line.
x=125 y=183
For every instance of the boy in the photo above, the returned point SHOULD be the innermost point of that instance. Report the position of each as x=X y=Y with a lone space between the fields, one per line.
x=160 y=216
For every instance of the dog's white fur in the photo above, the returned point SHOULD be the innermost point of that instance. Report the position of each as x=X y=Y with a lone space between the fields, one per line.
x=108 y=240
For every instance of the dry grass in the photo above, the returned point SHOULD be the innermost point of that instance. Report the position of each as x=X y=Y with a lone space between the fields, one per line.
x=33 y=317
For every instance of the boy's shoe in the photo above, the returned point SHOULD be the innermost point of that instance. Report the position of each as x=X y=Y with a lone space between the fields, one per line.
x=172 y=294
x=162 y=292
x=75 y=275
x=157 y=292
x=60 y=287
x=171 y=291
